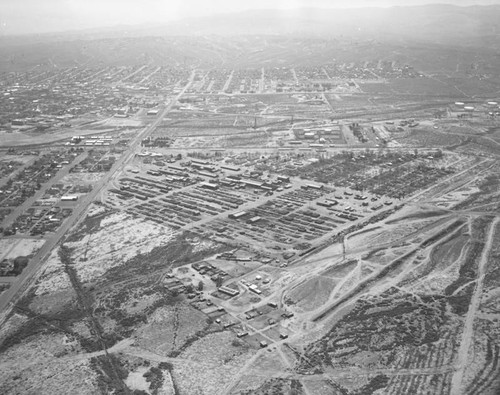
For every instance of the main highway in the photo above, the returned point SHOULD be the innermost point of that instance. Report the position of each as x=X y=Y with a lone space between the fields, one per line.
x=30 y=274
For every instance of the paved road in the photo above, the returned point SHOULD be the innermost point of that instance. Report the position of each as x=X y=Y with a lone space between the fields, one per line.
x=32 y=272
x=4 y=180
x=9 y=219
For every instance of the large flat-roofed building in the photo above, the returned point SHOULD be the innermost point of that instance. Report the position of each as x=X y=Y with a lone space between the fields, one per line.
x=208 y=185
x=229 y=291
x=238 y=215
x=255 y=219
x=69 y=198
x=250 y=183
x=232 y=168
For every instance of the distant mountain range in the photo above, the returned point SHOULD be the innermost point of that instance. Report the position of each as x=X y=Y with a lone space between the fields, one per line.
x=436 y=23
x=442 y=24
x=429 y=37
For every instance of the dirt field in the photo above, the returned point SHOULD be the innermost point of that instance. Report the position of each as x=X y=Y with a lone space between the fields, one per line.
x=118 y=238
x=220 y=355
x=313 y=294
x=53 y=368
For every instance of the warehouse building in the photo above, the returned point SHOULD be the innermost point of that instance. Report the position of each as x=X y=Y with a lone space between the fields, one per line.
x=238 y=215
x=208 y=185
x=229 y=291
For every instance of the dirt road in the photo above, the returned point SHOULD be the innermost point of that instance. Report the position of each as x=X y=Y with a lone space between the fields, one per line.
x=468 y=332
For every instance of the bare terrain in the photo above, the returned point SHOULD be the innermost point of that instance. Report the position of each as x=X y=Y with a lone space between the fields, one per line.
x=252 y=215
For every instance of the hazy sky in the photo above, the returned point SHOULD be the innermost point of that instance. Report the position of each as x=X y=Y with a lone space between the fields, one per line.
x=38 y=16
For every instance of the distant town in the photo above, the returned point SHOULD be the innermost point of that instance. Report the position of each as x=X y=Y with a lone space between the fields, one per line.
x=326 y=228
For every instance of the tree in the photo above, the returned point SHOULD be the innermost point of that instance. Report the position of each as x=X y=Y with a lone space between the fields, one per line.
x=200 y=286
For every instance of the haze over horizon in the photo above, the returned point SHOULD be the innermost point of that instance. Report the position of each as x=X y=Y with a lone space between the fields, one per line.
x=35 y=17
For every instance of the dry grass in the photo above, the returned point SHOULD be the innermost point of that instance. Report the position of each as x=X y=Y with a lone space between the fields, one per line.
x=312 y=294
x=169 y=327
x=215 y=363
x=35 y=366
x=119 y=238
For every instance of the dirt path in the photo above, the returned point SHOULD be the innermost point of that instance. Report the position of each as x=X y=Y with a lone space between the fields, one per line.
x=244 y=370
x=118 y=347
x=468 y=332
x=454 y=184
